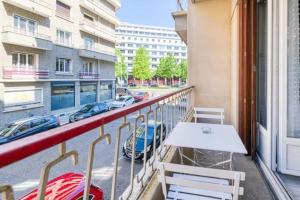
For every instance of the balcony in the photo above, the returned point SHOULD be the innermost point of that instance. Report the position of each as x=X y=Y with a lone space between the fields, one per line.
x=88 y=75
x=13 y=36
x=180 y=17
x=126 y=179
x=98 y=30
x=39 y=7
x=100 y=9
x=116 y=3
x=95 y=53
x=24 y=74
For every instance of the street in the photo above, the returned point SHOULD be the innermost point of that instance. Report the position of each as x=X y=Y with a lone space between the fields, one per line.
x=24 y=175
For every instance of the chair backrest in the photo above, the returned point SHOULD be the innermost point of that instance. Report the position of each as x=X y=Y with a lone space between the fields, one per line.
x=209 y=113
x=234 y=189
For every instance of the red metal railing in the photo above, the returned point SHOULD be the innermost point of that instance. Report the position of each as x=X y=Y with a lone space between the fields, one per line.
x=20 y=149
x=167 y=109
x=25 y=74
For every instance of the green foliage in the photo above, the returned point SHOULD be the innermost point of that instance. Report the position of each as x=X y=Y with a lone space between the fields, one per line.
x=120 y=66
x=182 y=68
x=141 y=65
x=167 y=67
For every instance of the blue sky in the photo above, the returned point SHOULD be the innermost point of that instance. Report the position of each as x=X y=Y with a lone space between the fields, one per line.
x=147 y=12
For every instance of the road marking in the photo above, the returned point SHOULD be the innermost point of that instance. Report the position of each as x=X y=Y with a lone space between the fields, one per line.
x=26 y=185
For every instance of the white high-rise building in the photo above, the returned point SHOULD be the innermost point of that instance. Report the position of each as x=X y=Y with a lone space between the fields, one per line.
x=159 y=41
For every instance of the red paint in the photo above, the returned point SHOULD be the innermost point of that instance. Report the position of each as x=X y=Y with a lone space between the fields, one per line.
x=20 y=149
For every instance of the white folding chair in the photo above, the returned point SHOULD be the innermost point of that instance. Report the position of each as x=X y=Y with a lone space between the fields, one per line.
x=216 y=114
x=189 y=182
x=213 y=114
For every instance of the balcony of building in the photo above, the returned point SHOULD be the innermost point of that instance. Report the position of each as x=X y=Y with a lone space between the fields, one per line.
x=98 y=52
x=115 y=3
x=89 y=75
x=100 y=9
x=14 y=36
x=180 y=17
x=98 y=30
x=24 y=74
x=137 y=180
x=38 y=7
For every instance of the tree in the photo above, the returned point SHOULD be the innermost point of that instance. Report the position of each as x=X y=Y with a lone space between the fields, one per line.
x=182 y=68
x=120 y=66
x=141 y=65
x=166 y=67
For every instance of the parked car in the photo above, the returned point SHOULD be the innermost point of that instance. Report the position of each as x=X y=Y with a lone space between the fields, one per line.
x=132 y=84
x=140 y=140
x=89 y=110
x=27 y=127
x=122 y=102
x=154 y=85
x=122 y=91
x=140 y=96
x=67 y=186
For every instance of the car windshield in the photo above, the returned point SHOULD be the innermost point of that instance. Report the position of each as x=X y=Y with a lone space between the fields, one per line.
x=139 y=93
x=121 y=99
x=7 y=130
x=140 y=133
x=86 y=108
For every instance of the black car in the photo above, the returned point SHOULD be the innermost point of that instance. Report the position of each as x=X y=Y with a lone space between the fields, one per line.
x=27 y=127
x=89 y=110
x=140 y=140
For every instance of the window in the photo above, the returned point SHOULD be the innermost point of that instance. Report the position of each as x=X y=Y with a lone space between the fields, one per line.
x=87 y=17
x=130 y=45
x=154 y=53
x=130 y=51
x=89 y=43
x=169 y=47
x=106 y=90
x=88 y=92
x=25 y=26
x=64 y=37
x=20 y=98
x=24 y=127
x=129 y=58
x=63 y=10
x=154 y=46
x=154 y=59
x=146 y=46
x=161 y=53
x=176 y=48
x=23 y=61
x=293 y=70
x=63 y=65
x=88 y=67
x=183 y=54
x=176 y=54
x=62 y=95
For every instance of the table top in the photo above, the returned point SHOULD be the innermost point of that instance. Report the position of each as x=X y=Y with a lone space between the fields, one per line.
x=221 y=138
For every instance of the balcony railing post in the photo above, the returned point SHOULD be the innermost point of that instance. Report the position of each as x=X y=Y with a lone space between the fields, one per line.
x=125 y=124
x=91 y=160
x=46 y=170
x=7 y=192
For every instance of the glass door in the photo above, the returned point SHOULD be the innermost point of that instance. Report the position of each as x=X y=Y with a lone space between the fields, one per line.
x=289 y=121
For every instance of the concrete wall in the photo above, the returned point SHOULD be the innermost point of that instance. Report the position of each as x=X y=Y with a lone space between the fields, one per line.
x=209 y=48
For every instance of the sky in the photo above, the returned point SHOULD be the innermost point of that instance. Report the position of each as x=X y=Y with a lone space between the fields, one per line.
x=147 y=12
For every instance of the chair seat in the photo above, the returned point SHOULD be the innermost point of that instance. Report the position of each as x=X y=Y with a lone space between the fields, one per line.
x=180 y=192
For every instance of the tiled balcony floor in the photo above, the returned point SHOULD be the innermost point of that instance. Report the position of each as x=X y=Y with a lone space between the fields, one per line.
x=255 y=186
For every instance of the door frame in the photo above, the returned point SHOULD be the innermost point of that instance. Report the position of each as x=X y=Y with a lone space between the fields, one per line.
x=247 y=74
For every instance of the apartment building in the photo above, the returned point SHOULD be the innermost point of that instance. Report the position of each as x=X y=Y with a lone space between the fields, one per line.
x=55 y=55
x=159 y=41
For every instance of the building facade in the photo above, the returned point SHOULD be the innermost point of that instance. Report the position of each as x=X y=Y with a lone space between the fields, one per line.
x=159 y=41
x=55 y=55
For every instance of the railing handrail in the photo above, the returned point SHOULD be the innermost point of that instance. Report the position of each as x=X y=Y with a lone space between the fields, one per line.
x=24 y=70
x=23 y=148
x=26 y=33
x=42 y=3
